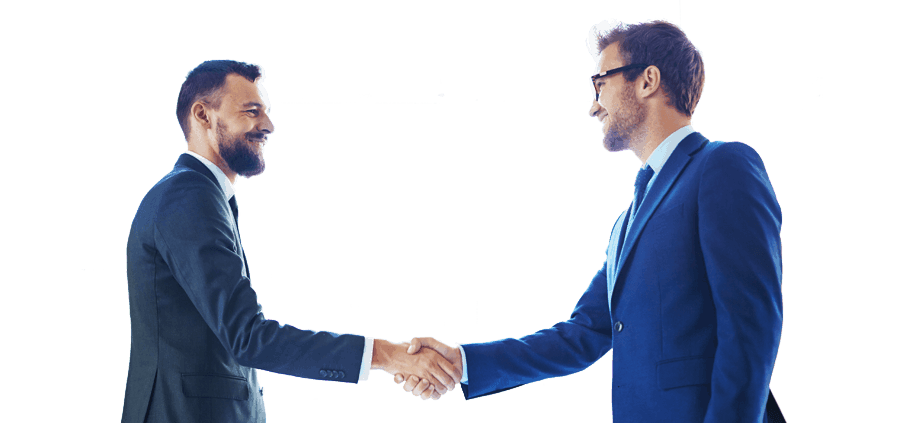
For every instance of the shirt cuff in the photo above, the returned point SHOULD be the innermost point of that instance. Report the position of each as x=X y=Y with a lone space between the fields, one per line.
x=463 y=365
x=366 y=360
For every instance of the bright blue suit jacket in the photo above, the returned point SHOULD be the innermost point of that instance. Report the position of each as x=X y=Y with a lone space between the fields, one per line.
x=695 y=316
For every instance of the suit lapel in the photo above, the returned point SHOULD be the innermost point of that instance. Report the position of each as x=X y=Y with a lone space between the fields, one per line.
x=189 y=161
x=614 y=247
x=679 y=159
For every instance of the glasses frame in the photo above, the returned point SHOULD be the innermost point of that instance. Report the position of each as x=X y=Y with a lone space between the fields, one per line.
x=611 y=72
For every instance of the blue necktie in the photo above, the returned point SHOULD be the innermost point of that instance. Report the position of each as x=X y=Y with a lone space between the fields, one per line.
x=642 y=180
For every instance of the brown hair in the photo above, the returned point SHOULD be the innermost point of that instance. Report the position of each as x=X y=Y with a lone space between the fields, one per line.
x=665 y=46
x=204 y=82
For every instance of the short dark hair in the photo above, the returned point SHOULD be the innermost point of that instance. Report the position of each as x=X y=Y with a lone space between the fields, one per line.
x=204 y=83
x=664 y=45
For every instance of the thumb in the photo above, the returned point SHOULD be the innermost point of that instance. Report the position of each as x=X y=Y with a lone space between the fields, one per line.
x=433 y=344
x=415 y=346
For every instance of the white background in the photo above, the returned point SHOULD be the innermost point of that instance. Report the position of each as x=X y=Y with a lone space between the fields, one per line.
x=434 y=172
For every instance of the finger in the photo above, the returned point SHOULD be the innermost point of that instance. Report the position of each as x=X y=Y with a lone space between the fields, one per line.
x=411 y=383
x=399 y=378
x=436 y=395
x=433 y=375
x=452 y=371
x=428 y=393
x=415 y=346
x=433 y=344
x=421 y=387
x=441 y=377
x=452 y=354
x=441 y=389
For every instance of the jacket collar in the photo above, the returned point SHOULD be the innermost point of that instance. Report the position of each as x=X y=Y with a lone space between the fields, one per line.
x=186 y=160
x=679 y=159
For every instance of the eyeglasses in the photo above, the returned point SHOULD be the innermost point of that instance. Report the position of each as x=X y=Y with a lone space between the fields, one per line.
x=611 y=72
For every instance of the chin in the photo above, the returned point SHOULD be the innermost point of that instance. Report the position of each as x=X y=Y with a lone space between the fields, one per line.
x=612 y=144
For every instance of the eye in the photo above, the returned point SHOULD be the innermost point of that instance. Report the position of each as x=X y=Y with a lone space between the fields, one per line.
x=253 y=112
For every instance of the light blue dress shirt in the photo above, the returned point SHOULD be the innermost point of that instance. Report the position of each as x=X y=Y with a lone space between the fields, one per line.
x=659 y=157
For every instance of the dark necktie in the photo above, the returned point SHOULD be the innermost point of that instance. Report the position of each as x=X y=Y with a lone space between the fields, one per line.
x=234 y=206
x=642 y=180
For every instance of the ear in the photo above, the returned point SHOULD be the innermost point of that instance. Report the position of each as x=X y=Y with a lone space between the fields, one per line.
x=199 y=113
x=649 y=81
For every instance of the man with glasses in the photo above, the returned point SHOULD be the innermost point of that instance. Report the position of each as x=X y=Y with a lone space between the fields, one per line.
x=689 y=295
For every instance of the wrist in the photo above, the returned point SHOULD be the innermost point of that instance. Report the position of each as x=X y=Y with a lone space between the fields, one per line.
x=382 y=353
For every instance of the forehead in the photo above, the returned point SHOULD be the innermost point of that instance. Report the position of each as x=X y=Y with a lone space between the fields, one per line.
x=610 y=58
x=239 y=90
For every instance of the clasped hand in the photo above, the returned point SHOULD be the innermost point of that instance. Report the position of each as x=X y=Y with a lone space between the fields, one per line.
x=428 y=372
x=450 y=362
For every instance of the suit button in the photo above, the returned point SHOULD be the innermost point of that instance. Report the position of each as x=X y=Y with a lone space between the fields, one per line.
x=322 y=373
x=619 y=326
x=261 y=391
x=341 y=375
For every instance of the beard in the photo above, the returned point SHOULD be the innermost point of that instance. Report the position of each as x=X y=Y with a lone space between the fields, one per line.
x=238 y=153
x=623 y=124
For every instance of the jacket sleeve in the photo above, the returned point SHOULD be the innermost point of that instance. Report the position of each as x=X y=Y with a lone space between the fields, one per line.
x=739 y=230
x=567 y=347
x=193 y=231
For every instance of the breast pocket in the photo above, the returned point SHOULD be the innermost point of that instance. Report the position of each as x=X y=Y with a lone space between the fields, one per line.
x=671 y=229
x=667 y=216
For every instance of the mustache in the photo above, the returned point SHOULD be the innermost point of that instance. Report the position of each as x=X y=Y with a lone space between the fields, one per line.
x=256 y=136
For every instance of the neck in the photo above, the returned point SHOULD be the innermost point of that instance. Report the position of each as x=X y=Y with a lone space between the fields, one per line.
x=205 y=150
x=656 y=129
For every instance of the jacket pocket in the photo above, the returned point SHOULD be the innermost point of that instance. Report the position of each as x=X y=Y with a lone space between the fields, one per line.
x=215 y=386
x=685 y=371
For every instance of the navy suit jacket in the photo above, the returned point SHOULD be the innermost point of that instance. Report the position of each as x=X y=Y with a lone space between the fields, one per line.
x=695 y=309
x=198 y=332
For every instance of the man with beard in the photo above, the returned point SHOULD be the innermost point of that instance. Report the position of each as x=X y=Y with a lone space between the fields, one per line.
x=198 y=332
x=689 y=295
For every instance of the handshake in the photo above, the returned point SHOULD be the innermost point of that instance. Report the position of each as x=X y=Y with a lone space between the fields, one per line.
x=427 y=367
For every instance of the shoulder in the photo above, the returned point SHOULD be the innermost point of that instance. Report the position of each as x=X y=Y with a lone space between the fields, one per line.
x=731 y=158
x=186 y=192
x=731 y=170
x=186 y=183
x=732 y=152
x=182 y=177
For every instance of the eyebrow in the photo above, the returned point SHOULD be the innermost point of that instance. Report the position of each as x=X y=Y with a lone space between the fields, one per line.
x=255 y=104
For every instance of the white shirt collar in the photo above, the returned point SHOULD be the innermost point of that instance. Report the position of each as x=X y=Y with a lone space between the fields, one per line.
x=661 y=154
x=224 y=182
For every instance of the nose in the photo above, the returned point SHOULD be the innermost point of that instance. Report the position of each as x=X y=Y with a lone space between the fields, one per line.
x=595 y=109
x=266 y=125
